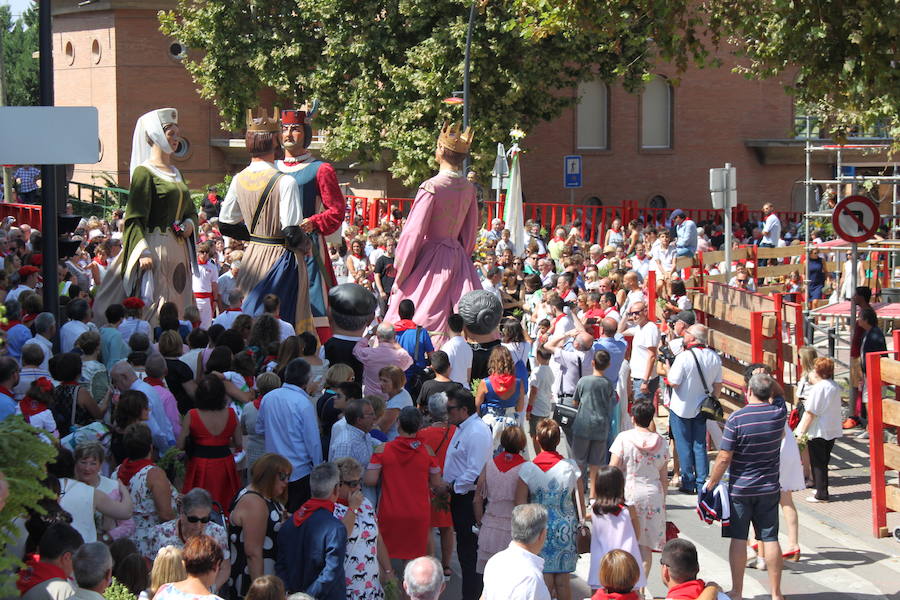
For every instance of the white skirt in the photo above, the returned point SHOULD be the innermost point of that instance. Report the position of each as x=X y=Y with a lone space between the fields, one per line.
x=790 y=469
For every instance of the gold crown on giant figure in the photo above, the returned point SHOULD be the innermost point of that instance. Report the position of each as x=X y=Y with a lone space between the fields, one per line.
x=454 y=138
x=263 y=123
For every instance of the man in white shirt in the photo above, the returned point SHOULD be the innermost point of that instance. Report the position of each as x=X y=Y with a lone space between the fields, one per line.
x=205 y=285
x=771 y=232
x=517 y=572
x=687 y=425
x=271 y=305
x=28 y=279
x=640 y=262
x=564 y=286
x=492 y=281
x=494 y=232
x=545 y=270
x=79 y=313
x=459 y=352
x=469 y=450
x=226 y=282
x=644 y=347
x=235 y=299
x=44 y=330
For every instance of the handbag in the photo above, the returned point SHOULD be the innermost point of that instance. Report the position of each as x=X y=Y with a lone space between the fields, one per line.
x=672 y=531
x=563 y=414
x=417 y=378
x=583 y=539
x=710 y=407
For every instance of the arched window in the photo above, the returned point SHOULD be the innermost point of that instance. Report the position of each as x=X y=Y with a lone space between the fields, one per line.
x=592 y=118
x=656 y=114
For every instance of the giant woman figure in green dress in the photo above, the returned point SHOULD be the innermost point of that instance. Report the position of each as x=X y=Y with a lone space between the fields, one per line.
x=158 y=246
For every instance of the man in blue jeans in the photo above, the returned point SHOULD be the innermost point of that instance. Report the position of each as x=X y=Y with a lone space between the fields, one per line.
x=685 y=234
x=687 y=424
x=751 y=451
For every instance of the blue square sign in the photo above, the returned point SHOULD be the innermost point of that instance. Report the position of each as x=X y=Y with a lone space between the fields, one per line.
x=572 y=171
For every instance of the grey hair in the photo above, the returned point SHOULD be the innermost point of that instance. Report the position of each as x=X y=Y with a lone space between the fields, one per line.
x=196 y=498
x=437 y=406
x=122 y=368
x=235 y=295
x=323 y=479
x=91 y=563
x=385 y=332
x=353 y=412
x=300 y=596
x=528 y=521
x=430 y=588
x=760 y=386
x=44 y=322
x=236 y=264
x=699 y=332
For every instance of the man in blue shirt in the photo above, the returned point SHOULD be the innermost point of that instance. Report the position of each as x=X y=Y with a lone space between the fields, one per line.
x=685 y=234
x=9 y=377
x=407 y=333
x=287 y=419
x=614 y=346
x=751 y=447
x=123 y=378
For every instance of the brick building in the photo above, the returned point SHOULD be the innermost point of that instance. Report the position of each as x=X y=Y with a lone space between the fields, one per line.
x=657 y=144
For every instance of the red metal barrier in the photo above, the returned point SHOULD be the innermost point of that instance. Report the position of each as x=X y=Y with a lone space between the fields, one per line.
x=23 y=213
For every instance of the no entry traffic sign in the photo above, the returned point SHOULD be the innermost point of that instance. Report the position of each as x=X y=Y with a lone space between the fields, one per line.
x=856 y=219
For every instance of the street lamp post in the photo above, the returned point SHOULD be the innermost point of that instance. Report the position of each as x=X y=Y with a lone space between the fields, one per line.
x=53 y=177
x=466 y=64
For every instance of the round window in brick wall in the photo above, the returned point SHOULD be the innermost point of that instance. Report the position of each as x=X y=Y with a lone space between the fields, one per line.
x=96 y=51
x=70 y=53
x=178 y=51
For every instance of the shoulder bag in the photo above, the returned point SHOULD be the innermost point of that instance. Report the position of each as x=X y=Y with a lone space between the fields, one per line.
x=710 y=407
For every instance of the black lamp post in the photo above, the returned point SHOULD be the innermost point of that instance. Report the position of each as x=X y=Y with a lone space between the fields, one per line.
x=466 y=64
x=53 y=177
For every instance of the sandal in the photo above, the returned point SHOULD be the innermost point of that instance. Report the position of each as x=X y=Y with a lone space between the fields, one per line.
x=447 y=572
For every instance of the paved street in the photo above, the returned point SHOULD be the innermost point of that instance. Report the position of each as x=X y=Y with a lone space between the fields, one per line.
x=839 y=557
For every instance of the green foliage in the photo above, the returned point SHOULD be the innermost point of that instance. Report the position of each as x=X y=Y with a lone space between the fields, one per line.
x=117 y=591
x=23 y=460
x=838 y=59
x=381 y=69
x=20 y=42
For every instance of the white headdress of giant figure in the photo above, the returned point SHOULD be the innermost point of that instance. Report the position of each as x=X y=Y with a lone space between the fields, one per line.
x=150 y=131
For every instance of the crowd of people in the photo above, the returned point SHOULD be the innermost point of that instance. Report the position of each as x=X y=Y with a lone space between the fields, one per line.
x=220 y=449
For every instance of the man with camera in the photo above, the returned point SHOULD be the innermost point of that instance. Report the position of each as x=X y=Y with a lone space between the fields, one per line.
x=695 y=374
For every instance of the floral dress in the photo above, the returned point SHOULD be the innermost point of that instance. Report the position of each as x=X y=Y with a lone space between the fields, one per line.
x=169 y=534
x=553 y=489
x=144 y=517
x=361 y=561
x=643 y=454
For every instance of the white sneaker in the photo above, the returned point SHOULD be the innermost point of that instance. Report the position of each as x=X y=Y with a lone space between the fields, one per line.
x=814 y=500
x=760 y=564
x=862 y=436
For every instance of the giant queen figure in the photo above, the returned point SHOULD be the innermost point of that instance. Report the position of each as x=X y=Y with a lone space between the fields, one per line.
x=434 y=255
x=158 y=246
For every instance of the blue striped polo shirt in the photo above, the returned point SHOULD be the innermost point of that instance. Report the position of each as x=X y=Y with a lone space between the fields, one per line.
x=753 y=434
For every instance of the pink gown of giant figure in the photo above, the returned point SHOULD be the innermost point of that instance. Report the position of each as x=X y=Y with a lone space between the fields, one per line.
x=434 y=255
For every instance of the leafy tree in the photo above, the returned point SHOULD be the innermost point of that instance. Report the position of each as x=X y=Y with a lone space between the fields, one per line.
x=381 y=69
x=23 y=461
x=20 y=42
x=840 y=58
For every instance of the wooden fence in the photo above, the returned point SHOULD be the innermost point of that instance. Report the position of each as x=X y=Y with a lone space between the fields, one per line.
x=883 y=368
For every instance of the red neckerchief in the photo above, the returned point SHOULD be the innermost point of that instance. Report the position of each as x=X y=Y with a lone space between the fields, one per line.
x=212 y=199
x=687 y=590
x=502 y=382
x=546 y=459
x=101 y=261
x=28 y=318
x=558 y=239
x=694 y=345
x=555 y=321
x=233 y=310
x=606 y=311
x=30 y=407
x=202 y=262
x=155 y=381
x=129 y=468
x=257 y=401
x=359 y=256
x=9 y=325
x=6 y=391
x=311 y=506
x=250 y=380
x=36 y=572
x=604 y=595
x=403 y=325
x=507 y=460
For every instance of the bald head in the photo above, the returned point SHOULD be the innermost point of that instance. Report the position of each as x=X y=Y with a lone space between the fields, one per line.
x=423 y=578
x=608 y=327
x=122 y=375
x=584 y=341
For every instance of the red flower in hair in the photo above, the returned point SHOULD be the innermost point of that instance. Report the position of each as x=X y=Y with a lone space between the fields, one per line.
x=45 y=384
x=133 y=303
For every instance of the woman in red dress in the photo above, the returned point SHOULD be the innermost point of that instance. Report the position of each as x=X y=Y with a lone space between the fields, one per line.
x=406 y=467
x=437 y=437
x=212 y=428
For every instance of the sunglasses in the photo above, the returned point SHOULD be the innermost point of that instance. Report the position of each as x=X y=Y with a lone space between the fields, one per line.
x=193 y=519
x=353 y=484
x=283 y=476
x=635 y=313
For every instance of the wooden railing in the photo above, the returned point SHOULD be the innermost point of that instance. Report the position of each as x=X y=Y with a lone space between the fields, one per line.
x=883 y=369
